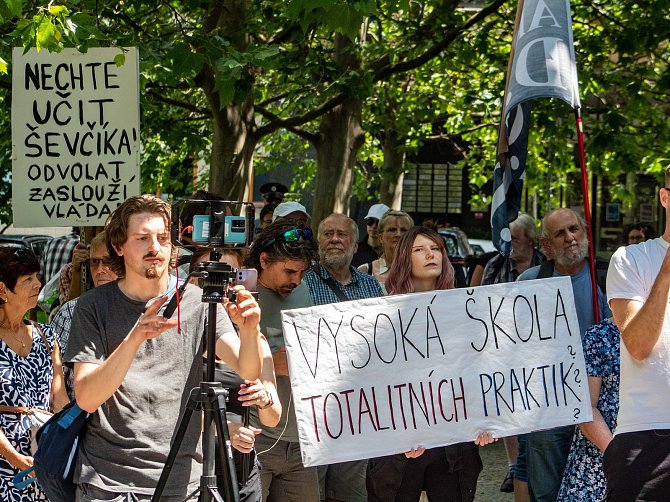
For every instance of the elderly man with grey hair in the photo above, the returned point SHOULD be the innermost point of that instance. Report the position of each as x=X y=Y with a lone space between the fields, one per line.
x=565 y=242
x=335 y=280
x=524 y=253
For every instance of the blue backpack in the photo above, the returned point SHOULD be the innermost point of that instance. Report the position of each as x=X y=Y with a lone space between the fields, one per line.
x=56 y=456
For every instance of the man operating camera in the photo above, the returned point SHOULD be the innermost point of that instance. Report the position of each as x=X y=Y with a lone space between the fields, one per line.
x=134 y=369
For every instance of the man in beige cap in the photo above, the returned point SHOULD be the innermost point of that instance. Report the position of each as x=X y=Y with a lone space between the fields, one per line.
x=291 y=211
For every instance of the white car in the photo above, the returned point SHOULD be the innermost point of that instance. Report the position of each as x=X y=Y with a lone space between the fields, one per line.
x=481 y=246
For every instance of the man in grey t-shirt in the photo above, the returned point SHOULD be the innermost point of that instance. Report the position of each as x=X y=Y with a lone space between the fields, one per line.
x=134 y=369
x=282 y=253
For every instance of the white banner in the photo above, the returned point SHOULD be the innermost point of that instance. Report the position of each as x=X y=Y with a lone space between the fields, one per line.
x=75 y=135
x=380 y=376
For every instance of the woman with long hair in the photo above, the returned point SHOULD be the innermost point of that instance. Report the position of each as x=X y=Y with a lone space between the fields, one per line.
x=447 y=473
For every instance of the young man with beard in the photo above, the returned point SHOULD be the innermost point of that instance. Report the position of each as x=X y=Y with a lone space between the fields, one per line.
x=282 y=253
x=334 y=280
x=134 y=370
x=565 y=243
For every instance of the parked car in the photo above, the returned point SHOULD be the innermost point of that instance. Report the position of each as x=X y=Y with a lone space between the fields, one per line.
x=481 y=246
x=458 y=248
x=35 y=243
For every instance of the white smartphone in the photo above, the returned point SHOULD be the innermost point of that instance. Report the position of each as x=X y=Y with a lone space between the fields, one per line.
x=247 y=277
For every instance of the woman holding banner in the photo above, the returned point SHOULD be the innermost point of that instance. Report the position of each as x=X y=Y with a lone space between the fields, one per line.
x=446 y=473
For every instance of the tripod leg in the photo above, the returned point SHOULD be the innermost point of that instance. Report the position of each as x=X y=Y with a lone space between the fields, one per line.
x=226 y=452
x=174 y=449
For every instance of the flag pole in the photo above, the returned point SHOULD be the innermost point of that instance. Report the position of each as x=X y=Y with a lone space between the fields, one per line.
x=587 y=214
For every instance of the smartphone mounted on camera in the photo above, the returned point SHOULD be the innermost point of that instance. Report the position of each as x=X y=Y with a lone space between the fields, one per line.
x=212 y=223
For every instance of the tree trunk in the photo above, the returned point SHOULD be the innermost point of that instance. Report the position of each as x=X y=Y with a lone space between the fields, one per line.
x=393 y=170
x=231 y=164
x=341 y=137
x=234 y=138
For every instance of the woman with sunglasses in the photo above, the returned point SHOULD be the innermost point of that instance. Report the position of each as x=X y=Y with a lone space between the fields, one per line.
x=447 y=473
x=31 y=375
x=392 y=227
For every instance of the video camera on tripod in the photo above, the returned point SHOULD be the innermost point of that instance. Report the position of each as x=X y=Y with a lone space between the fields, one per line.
x=198 y=223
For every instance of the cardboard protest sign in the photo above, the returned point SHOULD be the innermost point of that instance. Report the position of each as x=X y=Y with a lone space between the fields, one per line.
x=380 y=376
x=75 y=135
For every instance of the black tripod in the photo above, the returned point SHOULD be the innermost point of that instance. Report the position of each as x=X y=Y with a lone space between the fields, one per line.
x=210 y=397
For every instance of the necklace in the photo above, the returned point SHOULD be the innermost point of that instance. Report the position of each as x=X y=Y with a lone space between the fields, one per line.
x=18 y=339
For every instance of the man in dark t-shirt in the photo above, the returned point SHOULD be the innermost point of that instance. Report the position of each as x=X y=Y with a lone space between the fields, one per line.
x=134 y=369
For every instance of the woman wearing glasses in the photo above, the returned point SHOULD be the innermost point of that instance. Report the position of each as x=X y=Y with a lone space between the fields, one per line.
x=31 y=376
x=447 y=473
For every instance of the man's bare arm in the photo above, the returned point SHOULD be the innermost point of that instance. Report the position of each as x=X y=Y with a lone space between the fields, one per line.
x=96 y=383
x=641 y=324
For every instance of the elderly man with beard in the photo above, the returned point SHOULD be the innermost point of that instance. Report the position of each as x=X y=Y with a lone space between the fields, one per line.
x=565 y=243
x=334 y=280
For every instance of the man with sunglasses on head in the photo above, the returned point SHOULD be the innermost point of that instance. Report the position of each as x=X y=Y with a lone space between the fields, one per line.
x=369 y=248
x=282 y=253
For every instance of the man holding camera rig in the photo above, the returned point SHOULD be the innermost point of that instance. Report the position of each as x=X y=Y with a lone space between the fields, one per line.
x=282 y=253
x=134 y=369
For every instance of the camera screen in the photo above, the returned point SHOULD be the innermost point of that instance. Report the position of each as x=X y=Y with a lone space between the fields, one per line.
x=213 y=223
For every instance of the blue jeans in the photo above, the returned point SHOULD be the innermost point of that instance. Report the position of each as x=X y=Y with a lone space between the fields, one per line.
x=546 y=456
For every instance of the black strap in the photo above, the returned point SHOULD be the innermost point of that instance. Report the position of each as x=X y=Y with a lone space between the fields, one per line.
x=546 y=269
x=332 y=284
x=172 y=304
x=369 y=264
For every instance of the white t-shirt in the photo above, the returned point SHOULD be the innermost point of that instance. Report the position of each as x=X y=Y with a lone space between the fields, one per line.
x=644 y=386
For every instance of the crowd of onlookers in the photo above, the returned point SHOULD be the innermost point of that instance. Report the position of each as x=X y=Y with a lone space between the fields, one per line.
x=115 y=353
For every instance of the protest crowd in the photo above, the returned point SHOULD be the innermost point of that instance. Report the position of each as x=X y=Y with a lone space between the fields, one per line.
x=130 y=358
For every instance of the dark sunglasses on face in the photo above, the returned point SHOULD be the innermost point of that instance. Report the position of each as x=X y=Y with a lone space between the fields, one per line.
x=98 y=262
x=292 y=235
x=371 y=221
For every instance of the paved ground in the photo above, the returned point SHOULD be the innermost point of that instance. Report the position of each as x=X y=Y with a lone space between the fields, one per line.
x=495 y=469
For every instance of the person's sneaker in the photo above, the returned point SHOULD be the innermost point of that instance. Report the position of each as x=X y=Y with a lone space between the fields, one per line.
x=507 y=485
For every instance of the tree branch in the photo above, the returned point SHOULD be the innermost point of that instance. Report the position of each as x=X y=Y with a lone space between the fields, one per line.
x=435 y=50
x=277 y=123
x=181 y=104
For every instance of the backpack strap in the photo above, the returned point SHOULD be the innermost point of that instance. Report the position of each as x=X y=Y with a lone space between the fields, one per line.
x=369 y=264
x=23 y=478
x=332 y=284
x=546 y=269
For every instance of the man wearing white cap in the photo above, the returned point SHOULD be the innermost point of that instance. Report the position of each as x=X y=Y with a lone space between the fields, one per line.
x=369 y=248
x=291 y=211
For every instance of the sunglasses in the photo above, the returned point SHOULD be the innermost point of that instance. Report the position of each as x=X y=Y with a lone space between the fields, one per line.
x=99 y=262
x=371 y=221
x=292 y=235
x=22 y=254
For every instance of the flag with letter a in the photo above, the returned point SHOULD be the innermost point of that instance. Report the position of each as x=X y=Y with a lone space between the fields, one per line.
x=542 y=64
